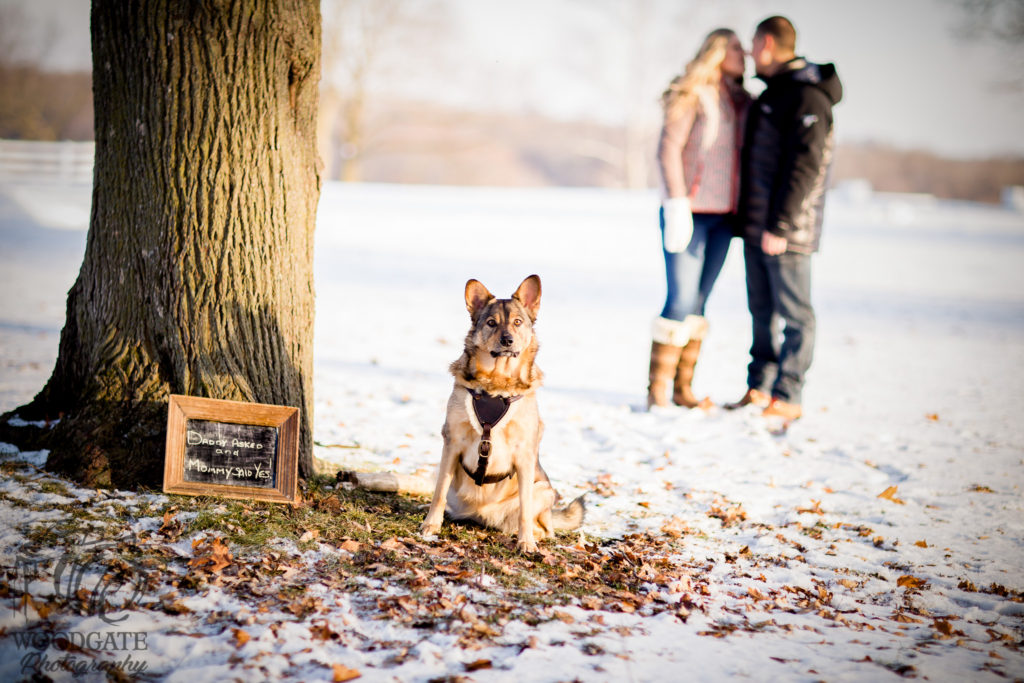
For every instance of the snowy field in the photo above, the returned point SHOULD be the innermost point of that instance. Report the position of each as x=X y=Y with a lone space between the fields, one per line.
x=916 y=385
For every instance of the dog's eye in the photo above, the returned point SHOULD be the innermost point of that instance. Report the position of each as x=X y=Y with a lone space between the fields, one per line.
x=491 y=322
x=517 y=322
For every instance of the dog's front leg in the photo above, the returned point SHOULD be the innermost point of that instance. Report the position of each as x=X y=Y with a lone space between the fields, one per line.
x=445 y=474
x=525 y=473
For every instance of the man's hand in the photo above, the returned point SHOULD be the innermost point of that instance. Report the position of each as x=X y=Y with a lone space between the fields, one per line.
x=772 y=244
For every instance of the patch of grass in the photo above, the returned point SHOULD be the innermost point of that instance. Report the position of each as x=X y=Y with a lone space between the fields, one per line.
x=59 y=533
x=334 y=515
x=13 y=502
x=14 y=470
x=817 y=532
x=54 y=487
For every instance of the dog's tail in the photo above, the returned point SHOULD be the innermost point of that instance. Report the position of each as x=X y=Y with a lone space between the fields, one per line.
x=570 y=517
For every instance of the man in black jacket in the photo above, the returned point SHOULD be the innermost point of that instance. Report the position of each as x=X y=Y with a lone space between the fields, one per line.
x=787 y=154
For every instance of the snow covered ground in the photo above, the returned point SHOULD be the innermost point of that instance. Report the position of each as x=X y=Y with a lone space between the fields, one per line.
x=916 y=385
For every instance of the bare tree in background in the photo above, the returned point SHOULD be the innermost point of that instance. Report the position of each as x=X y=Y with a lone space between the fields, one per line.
x=36 y=104
x=638 y=129
x=15 y=48
x=611 y=48
x=1001 y=21
x=366 y=43
x=631 y=49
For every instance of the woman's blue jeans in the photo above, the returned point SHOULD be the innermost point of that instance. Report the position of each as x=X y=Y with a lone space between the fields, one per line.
x=691 y=274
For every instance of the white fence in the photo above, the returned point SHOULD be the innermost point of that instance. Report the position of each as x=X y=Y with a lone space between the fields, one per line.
x=31 y=161
x=1013 y=198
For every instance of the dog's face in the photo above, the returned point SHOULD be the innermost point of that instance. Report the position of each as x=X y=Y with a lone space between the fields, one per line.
x=502 y=328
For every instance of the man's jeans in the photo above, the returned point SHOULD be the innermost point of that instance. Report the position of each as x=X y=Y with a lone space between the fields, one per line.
x=691 y=274
x=779 y=288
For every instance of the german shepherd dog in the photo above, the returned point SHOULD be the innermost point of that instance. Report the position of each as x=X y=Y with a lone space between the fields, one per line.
x=490 y=470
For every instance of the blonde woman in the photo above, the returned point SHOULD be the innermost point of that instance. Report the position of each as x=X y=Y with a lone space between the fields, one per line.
x=698 y=155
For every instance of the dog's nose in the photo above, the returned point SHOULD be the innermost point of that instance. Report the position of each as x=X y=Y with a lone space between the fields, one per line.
x=506 y=339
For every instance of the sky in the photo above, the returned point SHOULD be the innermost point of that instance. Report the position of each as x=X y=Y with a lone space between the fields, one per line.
x=908 y=80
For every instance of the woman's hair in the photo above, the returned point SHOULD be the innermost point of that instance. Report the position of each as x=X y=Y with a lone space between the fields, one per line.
x=703 y=70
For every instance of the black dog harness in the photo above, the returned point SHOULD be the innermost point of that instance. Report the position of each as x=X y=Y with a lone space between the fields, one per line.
x=489 y=410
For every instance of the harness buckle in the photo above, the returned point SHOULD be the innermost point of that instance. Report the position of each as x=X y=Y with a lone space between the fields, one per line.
x=485 y=447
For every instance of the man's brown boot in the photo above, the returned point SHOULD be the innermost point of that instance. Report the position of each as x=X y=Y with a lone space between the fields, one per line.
x=664 y=361
x=753 y=396
x=783 y=409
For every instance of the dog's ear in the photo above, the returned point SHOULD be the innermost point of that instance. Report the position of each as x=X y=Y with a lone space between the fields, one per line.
x=477 y=297
x=528 y=295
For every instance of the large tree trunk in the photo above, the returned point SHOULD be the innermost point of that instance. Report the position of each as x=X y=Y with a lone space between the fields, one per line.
x=197 y=277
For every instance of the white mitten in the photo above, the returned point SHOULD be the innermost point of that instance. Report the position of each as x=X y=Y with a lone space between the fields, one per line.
x=678 y=224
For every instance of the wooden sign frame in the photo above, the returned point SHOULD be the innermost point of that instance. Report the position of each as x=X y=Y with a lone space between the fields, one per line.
x=181 y=409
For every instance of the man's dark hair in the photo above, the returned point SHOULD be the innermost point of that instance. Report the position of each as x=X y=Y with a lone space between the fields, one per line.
x=779 y=28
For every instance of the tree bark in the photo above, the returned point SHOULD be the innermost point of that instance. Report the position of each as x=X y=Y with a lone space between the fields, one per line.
x=197 y=277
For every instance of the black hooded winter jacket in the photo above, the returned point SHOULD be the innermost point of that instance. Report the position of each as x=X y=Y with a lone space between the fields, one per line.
x=787 y=154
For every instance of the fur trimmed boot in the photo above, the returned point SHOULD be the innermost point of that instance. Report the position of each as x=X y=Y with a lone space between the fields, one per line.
x=664 y=361
x=682 y=389
x=668 y=339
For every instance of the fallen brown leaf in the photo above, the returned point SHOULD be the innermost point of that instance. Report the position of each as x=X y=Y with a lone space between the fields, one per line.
x=905 y=619
x=174 y=607
x=729 y=513
x=41 y=608
x=912 y=582
x=890 y=495
x=241 y=637
x=343 y=673
x=171 y=527
x=392 y=544
x=331 y=504
x=943 y=626
x=322 y=631
x=815 y=508
x=603 y=485
x=211 y=554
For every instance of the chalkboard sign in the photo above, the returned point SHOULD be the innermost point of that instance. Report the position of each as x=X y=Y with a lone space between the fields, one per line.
x=231 y=449
x=230 y=454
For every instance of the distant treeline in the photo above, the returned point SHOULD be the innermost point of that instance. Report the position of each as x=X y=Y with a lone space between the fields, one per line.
x=414 y=142
x=42 y=105
x=898 y=170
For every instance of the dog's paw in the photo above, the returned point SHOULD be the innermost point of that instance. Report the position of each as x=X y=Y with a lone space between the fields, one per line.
x=527 y=546
x=429 y=530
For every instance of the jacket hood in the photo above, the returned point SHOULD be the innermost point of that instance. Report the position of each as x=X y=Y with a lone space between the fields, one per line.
x=821 y=76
